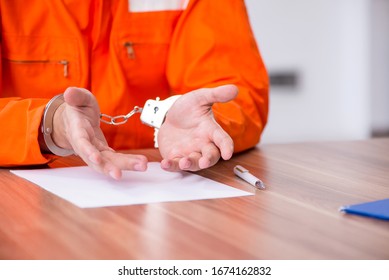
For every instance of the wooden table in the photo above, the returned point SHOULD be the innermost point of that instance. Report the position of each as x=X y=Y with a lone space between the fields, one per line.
x=296 y=217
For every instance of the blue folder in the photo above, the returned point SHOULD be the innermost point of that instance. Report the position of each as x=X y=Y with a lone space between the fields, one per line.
x=376 y=209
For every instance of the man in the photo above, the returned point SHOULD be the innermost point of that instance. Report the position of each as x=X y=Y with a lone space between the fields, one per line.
x=126 y=52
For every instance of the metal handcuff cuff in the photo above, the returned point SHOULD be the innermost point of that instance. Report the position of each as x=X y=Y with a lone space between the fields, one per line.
x=153 y=114
x=47 y=128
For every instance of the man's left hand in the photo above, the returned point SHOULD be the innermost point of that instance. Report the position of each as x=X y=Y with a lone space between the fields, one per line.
x=190 y=138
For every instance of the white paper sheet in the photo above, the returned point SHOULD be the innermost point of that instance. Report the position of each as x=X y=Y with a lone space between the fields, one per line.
x=86 y=188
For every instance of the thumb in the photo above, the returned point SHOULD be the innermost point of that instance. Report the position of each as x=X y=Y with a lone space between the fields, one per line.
x=222 y=94
x=79 y=97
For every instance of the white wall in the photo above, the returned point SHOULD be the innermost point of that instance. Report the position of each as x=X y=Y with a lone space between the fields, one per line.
x=327 y=42
x=380 y=66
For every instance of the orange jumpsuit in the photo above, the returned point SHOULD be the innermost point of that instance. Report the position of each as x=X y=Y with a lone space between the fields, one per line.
x=124 y=58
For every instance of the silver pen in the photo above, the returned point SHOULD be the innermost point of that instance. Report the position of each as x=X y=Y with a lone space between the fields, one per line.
x=244 y=174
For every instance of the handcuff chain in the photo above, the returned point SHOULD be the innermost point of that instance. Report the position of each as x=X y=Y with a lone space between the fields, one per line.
x=120 y=119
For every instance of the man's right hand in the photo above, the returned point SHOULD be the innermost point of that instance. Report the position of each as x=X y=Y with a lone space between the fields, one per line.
x=76 y=126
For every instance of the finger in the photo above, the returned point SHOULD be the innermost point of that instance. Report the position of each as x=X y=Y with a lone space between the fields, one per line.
x=176 y=164
x=87 y=151
x=101 y=144
x=95 y=155
x=91 y=153
x=170 y=165
x=107 y=168
x=224 y=142
x=112 y=164
x=79 y=97
x=210 y=156
x=126 y=161
x=190 y=163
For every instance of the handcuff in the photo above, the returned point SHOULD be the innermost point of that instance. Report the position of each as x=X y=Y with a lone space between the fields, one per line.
x=153 y=114
x=48 y=145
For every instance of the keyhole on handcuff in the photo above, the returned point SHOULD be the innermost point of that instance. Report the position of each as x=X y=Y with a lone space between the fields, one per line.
x=156 y=109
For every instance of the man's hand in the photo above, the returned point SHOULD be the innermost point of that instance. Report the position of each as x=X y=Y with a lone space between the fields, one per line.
x=76 y=126
x=190 y=138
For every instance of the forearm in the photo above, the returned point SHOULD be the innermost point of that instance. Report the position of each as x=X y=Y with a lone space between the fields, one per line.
x=20 y=120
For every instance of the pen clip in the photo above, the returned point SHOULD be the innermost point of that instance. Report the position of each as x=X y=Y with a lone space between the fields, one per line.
x=240 y=169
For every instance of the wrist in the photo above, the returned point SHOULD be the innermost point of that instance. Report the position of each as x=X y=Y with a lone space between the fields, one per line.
x=46 y=141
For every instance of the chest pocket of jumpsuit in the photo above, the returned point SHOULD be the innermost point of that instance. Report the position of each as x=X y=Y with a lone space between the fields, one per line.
x=142 y=47
x=38 y=66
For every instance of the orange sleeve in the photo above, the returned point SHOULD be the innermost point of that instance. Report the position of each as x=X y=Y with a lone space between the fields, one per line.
x=212 y=45
x=19 y=122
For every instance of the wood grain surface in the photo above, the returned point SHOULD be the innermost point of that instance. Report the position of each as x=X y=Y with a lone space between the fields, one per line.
x=296 y=217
